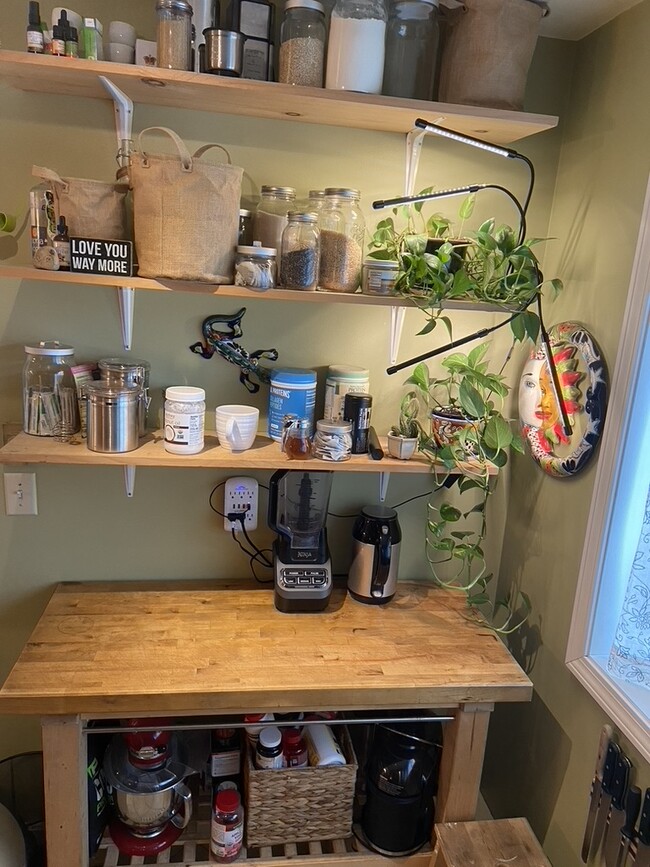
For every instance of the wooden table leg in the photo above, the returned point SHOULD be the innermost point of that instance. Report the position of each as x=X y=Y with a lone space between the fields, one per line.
x=66 y=794
x=462 y=763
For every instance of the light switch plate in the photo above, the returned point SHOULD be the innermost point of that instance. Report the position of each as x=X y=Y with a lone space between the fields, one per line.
x=20 y=494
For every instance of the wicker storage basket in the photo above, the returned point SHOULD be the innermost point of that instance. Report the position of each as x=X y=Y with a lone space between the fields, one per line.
x=300 y=804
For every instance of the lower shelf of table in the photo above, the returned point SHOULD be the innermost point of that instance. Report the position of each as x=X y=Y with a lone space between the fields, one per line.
x=192 y=850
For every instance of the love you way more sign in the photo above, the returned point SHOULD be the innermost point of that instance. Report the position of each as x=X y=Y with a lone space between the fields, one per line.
x=96 y=256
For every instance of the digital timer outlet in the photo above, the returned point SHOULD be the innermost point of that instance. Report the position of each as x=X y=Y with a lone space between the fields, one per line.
x=240 y=496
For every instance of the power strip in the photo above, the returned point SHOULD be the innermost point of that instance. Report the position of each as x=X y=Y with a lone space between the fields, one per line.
x=240 y=495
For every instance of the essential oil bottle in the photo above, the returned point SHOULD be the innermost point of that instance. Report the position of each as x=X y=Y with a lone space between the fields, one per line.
x=35 y=39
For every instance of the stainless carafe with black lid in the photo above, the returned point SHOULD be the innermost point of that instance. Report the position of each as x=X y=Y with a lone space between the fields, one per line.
x=375 y=559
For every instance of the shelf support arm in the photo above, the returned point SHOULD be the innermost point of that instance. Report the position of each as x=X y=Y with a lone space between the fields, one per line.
x=384 y=479
x=123 y=108
x=129 y=480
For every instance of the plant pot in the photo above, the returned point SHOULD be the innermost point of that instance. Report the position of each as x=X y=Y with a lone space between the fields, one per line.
x=460 y=246
x=446 y=424
x=400 y=447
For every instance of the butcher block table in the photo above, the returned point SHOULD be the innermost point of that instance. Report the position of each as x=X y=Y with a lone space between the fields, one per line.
x=103 y=651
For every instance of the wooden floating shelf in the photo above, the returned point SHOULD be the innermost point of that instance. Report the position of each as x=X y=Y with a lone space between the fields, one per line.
x=262 y=99
x=265 y=454
x=27 y=272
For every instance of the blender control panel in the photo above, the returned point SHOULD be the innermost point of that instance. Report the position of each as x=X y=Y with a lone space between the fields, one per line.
x=303 y=577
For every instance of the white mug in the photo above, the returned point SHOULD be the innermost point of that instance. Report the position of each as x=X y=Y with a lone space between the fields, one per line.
x=236 y=426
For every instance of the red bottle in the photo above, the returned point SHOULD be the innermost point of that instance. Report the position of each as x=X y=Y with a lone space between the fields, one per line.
x=294 y=748
x=227 y=831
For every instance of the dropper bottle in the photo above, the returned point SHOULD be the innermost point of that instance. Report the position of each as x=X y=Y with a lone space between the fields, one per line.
x=35 y=40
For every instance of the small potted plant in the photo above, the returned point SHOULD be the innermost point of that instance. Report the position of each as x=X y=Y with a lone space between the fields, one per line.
x=403 y=438
x=470 y=436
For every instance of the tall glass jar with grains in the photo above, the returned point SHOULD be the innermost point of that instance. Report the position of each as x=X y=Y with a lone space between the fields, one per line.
x=302 y=43
x=355 y=53
x=342 y=236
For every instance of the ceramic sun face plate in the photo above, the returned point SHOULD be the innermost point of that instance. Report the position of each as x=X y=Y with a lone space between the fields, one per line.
x=583 y=389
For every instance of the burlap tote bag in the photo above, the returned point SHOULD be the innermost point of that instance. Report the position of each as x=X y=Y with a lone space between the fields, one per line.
x=92 y=209
x=185 y=213
x=488 y=48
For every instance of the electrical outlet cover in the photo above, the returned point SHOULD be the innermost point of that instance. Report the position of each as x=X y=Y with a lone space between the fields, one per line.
x=241 y=495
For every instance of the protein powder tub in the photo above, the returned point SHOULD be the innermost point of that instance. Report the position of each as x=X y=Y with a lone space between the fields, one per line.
x=341 y=380
x=184 y=419
x=292 y=394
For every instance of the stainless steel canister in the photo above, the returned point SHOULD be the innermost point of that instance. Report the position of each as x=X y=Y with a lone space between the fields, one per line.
x=113 y=420
x=129 y=371
x=224 y=52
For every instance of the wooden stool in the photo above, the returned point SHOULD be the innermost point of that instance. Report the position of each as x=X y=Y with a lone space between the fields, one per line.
x=486 y=844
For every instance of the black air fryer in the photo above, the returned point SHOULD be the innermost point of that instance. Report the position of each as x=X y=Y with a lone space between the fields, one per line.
x=401 y=781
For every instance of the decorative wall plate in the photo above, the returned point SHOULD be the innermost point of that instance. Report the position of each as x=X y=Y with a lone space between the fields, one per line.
x=583 y=383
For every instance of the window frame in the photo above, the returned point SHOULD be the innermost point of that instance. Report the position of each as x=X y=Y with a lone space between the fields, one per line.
x=609 y=692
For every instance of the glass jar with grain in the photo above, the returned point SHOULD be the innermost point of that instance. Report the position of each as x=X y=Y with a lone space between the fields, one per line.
x=174 y=34
x=342 y=236
x=302 y=43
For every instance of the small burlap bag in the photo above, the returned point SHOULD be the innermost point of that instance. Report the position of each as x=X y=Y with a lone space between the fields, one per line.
x=185 y=213
x=487 y=51
x=92 y=209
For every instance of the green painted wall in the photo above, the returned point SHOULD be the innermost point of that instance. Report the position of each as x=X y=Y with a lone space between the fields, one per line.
x=86 y=528
x=601 y=182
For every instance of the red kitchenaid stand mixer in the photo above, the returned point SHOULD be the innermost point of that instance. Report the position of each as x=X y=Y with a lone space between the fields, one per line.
x=145 y=771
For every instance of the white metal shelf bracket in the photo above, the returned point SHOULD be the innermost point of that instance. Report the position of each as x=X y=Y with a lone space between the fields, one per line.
x=129 y=480
x=384 y=479
x=396 y=325
x=123 y=108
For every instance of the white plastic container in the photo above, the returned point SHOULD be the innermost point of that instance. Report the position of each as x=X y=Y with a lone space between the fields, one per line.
x=322 y=746
x=184 y=419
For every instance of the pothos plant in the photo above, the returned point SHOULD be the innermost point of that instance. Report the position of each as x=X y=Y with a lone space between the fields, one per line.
x=488 y=265
x=470 y=437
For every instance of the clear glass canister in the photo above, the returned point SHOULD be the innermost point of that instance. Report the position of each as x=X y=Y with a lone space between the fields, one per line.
x=174 y=34
x=332 y=440
x=300 y=252
x=271 y=215
x=355 y=52
x=255 y=266
x=302 y=43
x=412 y=37
x=50 y=407
x=184 y=419
x=342 y=236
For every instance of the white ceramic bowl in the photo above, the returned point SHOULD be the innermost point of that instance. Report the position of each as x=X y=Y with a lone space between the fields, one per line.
x=119 y=53
x=120 y=31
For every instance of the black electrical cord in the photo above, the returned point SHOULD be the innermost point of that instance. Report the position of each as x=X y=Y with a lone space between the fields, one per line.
x=212 y=493
x=396 y=506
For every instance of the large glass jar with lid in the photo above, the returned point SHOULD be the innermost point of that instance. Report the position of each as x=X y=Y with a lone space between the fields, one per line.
x=412 y=37
x=271 y=215
x=174 y=34
x=300 y=252
x=50 y=407
x=342 y=238
x=355 y=52
x=302 y=43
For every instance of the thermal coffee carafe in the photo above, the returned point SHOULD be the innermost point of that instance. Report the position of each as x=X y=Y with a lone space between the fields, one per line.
x=375 y=557
x=298 y=503
x=401 y=781
x=145 y=772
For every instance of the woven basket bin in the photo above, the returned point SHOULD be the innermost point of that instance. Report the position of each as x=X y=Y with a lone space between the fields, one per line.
x=300 y=804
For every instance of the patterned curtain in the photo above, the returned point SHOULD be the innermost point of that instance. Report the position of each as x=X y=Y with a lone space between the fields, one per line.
x=629 y=657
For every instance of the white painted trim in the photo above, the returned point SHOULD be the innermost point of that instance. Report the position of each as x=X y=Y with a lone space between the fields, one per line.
x=635 y=323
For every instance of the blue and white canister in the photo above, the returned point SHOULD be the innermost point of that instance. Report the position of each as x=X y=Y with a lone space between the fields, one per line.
x=292 y=394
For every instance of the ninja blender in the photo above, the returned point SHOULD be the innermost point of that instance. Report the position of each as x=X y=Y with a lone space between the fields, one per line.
x=298 y=503
x=152 y=804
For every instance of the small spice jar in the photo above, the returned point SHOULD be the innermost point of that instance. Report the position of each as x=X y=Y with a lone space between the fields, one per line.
x=268 y=753
x=174 y=34
x=342 y=232
x=300 y=252
x=227 y=827
x=255 y=266
x=379 y=277
x=184 y=419
x=332 y=440
x=302 y=43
